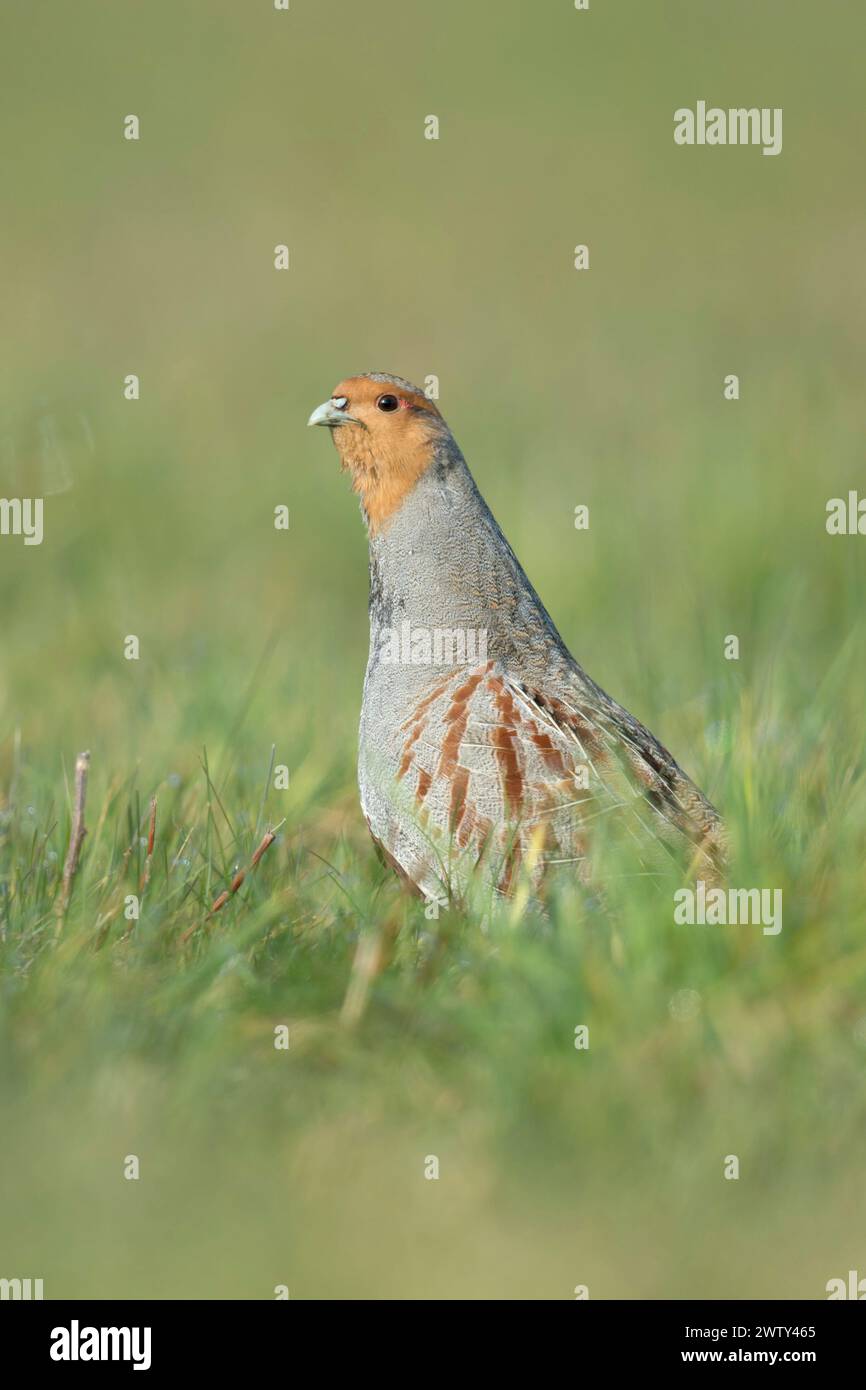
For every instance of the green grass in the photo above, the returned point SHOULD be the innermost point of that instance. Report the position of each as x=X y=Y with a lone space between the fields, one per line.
x=262 y=1166
x=305 y=1167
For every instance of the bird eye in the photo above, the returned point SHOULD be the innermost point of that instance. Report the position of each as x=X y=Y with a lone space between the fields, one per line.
x=387 y=403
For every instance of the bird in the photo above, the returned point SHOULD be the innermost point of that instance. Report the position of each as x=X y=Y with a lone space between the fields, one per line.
x=485 y=749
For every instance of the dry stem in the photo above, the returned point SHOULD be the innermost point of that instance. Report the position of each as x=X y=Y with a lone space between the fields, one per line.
x=76 y=838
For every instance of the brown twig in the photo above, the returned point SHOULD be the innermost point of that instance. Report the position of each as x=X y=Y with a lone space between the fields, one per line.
x=266 y=842
x=77 y=834
x=151 y=836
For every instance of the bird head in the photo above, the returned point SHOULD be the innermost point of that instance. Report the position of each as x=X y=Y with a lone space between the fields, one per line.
x=387 y=433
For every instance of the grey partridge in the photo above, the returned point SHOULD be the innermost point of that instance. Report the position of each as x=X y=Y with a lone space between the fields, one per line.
x=484 y=746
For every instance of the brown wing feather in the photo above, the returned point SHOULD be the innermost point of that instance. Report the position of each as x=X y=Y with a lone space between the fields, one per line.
x=506 y=773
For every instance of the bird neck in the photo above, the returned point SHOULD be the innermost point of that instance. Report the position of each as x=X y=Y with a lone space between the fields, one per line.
x=442 y=565
x=384 y=472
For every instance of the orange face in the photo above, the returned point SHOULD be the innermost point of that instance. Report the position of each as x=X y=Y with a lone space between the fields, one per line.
x=386 y=432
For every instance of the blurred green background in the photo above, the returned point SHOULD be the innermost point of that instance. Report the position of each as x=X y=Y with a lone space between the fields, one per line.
x=452 y=258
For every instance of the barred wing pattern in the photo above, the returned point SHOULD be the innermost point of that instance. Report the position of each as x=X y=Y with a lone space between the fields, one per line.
x=512 y=776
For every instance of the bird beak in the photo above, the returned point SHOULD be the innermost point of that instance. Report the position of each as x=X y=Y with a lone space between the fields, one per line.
x=331 y=414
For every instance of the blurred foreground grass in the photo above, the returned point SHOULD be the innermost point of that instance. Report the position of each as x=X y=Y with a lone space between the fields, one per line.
x=306 y=1167
x=262 y=1166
